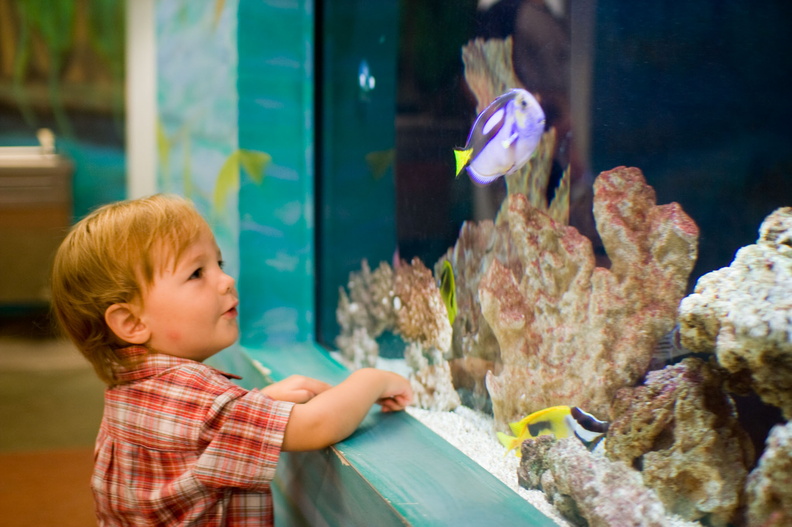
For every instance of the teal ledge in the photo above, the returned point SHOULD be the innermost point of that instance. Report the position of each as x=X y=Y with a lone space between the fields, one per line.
x=391 y=471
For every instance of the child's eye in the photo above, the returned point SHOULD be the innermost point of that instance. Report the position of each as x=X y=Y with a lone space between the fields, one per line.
x=197 y=273
x=221 y=263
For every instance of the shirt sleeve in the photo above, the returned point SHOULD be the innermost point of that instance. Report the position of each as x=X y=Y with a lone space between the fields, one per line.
x=246 y=441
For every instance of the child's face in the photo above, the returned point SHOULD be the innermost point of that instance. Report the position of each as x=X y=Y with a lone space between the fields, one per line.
x=191 y=309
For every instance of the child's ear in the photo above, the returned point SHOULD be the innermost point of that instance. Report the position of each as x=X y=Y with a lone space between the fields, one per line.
x=123 y=320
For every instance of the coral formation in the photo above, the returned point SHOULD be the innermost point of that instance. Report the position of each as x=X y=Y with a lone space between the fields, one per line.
x=533 y=179
x=588 y=489
x=406 y=302
x=431 y=380
x=422 y=316
x=681 y=429
x=571 y=333
x=489 y=70
x=769 y=489
x=743 y=313
x=422 y=320
x=365 y=313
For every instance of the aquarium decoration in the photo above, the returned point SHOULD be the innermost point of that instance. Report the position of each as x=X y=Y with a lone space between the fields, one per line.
x=679 y=429
x=365 y=313
x=572 y=333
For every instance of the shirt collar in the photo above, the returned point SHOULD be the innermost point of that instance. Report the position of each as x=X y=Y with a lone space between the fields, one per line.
x=139 y=363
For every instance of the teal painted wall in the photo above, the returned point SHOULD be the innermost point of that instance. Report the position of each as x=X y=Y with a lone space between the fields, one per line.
x=197 y=113
x=235 y=135
x=275 y=86
x=237 y=83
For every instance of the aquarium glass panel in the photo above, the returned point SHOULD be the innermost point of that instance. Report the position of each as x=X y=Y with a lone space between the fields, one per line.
x=584 y=208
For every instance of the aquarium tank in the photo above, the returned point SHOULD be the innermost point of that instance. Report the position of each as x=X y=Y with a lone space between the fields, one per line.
x=572 y=218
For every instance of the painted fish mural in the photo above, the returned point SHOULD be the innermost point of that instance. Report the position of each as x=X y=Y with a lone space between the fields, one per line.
x=558 y=421
x=503 y=137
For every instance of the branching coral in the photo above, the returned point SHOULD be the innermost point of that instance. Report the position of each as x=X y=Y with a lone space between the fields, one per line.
x=571 y=333
x=365 y=313
x=406 y=302
x=422 y=316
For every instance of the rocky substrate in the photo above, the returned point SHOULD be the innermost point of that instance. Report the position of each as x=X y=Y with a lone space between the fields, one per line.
x=473 y=433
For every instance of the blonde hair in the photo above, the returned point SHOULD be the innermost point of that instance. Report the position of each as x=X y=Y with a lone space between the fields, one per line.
x=108 y=258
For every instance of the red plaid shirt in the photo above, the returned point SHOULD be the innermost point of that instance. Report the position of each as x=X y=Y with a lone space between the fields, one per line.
x=181 y=444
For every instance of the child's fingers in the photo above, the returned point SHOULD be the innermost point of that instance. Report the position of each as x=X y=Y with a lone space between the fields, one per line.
x=392 y=404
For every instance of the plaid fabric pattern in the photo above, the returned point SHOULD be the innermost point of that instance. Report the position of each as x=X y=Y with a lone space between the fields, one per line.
x=180 y=444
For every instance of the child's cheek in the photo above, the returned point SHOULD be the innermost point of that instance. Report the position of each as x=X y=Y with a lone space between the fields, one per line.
x=174 y=336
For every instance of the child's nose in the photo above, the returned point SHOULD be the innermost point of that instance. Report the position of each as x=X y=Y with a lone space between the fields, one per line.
x=227 y=283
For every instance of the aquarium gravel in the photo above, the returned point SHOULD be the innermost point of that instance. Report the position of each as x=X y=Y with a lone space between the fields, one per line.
x=472 y=433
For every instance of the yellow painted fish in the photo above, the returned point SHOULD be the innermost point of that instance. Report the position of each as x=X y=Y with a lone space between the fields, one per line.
x=448 y=290
x=503 y=137
x=558 y=421
x=380 y=161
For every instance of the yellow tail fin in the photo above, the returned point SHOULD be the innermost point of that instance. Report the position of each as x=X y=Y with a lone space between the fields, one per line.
x=462 y=157
x=509 y=442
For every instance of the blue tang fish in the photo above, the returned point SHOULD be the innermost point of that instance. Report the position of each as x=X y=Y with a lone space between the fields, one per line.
x=503 y=138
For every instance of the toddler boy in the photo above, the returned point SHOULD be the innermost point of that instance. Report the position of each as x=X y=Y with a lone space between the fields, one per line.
x=139 y=288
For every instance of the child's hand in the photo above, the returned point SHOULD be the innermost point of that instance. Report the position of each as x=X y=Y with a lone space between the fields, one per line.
x=295 y=389
x=334 y=414
x=398 y=393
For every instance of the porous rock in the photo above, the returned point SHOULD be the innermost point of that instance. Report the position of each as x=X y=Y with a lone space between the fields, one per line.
x=743 y=313
x=588 y=489
x=422 y=316
x=431 y=382
x=681 y=429
x=571 y=333
x=769 y=489
x=365 y=313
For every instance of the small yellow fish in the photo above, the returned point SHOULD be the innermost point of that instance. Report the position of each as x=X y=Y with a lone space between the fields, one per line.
x=558 y=421
x=448 y=290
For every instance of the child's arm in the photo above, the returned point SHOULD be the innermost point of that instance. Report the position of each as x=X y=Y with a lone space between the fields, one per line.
x=296 y=389
x=335 y=413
